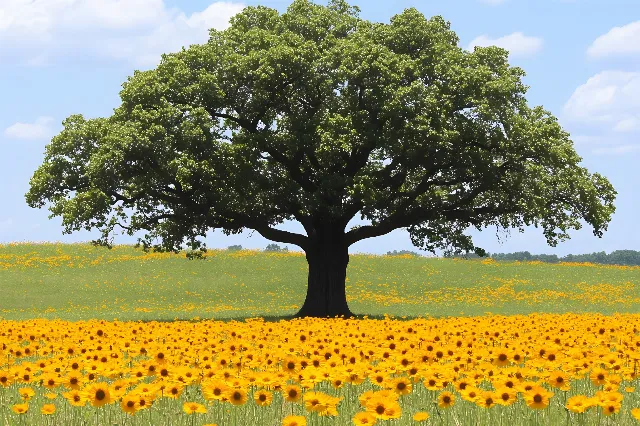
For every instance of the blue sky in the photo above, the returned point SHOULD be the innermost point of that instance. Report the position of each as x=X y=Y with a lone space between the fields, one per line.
x=582 y=59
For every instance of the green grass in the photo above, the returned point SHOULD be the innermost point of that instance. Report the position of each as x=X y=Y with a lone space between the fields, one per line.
x=81 y=282
x=59 y=281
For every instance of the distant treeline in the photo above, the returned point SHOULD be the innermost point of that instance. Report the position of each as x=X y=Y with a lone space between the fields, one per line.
x=617 y=257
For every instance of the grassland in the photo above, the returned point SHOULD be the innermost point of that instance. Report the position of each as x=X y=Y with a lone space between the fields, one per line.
x=468 y=342
x=79 y=281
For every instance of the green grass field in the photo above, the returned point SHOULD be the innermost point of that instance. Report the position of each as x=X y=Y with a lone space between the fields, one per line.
x=79 y=281
x=459 y=343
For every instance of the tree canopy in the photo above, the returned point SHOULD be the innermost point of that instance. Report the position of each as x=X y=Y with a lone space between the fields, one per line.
x=330 y=116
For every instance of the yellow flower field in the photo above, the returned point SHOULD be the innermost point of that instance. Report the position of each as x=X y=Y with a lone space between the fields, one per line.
x=511 y=370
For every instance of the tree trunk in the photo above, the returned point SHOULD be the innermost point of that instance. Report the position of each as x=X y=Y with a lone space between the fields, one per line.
x=326 y=293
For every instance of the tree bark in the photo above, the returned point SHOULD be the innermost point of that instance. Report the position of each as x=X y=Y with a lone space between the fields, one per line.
x=328 y=257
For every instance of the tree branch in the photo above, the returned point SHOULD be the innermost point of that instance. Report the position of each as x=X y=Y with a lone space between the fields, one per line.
x=282 y=236
x=403 y=217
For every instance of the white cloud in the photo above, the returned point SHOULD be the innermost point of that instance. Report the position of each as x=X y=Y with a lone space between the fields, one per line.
x=603 y=144
x=39 y=130
x=517 y=43
x=138 y=31
x=37 y=61
x=623 y=40
x=611 y=98
x=628 y=125
x=170 y=36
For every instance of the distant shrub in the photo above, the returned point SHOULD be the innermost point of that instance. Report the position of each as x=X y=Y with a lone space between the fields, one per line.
x=195 y=254
x=234 y=248
x=276 y=248
x=401 y=252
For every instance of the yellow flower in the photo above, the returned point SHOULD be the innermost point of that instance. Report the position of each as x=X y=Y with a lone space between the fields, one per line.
x=26 y=393
x=51 y=395
x=145 y=399
x=193 y=407
x=292 y=393
x=337 y=382
x=383 y=408
x=294 y=421
x=598 y=376
x=611 y=408
x=420 y=416
x=48 y=409
x=501 y=357
x=290 y=365
x=559 y=379
x=73 y=380
x=486 y=399
x=364 y=419
x=160 y=358
x=75 y=398
x=402 y=385
x=97 y=394
x=236 y=396
x=173 y=391
x=506 y=396
x=315 y=401
x=432 y=383
x=214 y=390
x=578 y=404
x=470 y=393
x=20 y=408
x=50 y=380
x=129 y=403
x=446 y=400
x=538 y=397
x=5 y=378
x=604 y=397
x=636 y=413
x=263 y=397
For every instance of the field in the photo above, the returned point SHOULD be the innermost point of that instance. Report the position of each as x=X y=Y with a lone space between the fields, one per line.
x=99 y=336
x=75 y=282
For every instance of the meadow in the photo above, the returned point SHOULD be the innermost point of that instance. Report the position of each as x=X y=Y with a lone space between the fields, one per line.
x=79 y=281
x=94 y=336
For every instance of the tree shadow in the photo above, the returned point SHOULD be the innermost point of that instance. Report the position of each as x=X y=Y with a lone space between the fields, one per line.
x=278 y=318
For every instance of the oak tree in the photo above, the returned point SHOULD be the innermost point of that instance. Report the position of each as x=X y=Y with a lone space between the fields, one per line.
x=316 y=115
